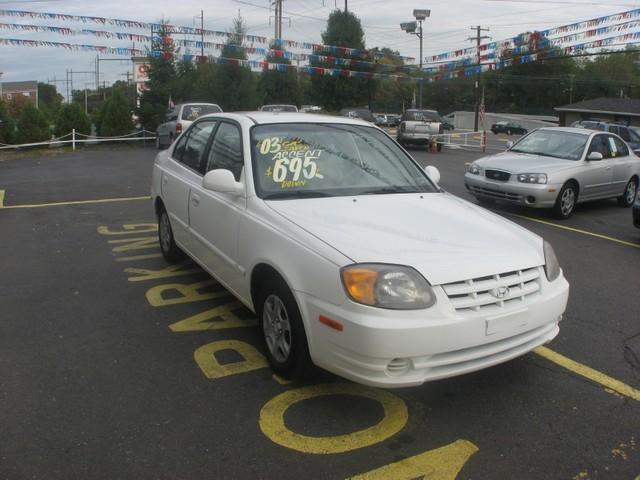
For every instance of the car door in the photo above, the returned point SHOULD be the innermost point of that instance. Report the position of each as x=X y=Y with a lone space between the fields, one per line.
x=180 y=175
x=597 y=175
x=215 y=216
x=622 y=165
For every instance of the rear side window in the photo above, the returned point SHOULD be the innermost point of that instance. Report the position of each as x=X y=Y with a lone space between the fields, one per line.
x=196 y=144
x=193 y=112
x=178 y=150
x=624 y=133
x=421 y=116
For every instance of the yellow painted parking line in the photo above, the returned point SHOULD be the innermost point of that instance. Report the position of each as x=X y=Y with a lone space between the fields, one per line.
x=576 y=230
x=138 y=257
x=73 y=202
x=589 y=373
x=505 y=140
x=1 y=198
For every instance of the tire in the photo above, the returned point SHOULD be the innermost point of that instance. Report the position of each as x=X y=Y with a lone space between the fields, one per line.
x=439 y=147
x=566 y=201
x=170 y=251
x=282 y=330
x=629 y=195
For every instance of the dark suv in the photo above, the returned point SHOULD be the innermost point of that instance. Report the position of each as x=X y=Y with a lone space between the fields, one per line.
x=626 y=133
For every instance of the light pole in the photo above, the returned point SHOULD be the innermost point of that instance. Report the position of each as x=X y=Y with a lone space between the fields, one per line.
x=415 y=28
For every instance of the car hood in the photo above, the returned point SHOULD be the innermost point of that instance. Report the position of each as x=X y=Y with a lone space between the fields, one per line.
x=525 y=163
x=444 y=237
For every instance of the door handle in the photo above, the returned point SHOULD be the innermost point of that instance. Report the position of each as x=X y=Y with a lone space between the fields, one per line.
x=195 y=200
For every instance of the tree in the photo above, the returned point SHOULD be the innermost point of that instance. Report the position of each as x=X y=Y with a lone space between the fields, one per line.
x=115 y=118
x=72 y=116
x=7 y=125
x=33 y=126
x=343 y=30
x=232 y=78
x=279 y=84
x=49 y=100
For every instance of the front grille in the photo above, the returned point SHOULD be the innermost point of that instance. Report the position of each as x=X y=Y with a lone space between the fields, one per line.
x=497 y=175
x=497 y=194
x=494 y=292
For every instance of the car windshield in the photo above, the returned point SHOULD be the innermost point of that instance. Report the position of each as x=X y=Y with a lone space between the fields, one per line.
x=322 y=160
x=421 y=116
x=192 y=112
x=553 y=143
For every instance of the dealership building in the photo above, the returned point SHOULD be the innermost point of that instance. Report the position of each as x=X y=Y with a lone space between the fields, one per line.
x=620 y=110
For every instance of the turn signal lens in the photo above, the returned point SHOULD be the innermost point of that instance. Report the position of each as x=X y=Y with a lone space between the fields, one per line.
x=360 y=284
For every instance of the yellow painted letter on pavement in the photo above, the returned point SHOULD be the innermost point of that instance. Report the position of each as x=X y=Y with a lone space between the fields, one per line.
x=170 y=271
x=135 y=244
x=212 y=368
x=216 y=318
x=128 y=229
x=440 y=464
x=273 y=426
x=187 y=292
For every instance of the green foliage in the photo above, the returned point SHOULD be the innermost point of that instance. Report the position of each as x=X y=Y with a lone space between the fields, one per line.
x=72 y=116
x=49 y=100
x=33 y=126
x=343 y=30
x=115 y=116
x=278 y=87
x=7 y=125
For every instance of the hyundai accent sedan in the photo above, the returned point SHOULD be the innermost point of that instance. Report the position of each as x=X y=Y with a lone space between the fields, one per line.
x=349 y=253
x=557 y=168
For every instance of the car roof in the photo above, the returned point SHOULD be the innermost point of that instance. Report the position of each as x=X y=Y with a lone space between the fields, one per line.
x=263 y=118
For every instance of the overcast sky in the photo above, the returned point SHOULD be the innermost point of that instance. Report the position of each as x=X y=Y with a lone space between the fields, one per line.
x=447 y=29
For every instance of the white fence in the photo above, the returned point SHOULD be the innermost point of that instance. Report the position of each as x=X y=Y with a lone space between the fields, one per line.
x=75 y=138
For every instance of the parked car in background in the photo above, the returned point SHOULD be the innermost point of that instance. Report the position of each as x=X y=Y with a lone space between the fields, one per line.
x=558 y=167
x=387 y=120
x=629 y=134
x=419 y=126
x=278 y=108
x=362 y=113
x=349 y=253
x=509 y=128
x=179 y=118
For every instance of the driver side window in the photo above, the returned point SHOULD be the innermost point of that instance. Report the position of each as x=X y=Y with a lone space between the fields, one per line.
x=599 y=144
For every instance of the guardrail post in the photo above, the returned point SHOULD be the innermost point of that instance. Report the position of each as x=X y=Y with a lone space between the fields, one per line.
x=73 y=139
x=144 y=138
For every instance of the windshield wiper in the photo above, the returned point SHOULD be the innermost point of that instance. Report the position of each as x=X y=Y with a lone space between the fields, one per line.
x=296 y=194
x=383 y=190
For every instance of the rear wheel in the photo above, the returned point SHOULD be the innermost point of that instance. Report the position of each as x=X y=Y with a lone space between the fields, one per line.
x=629 y=195
x=170 y=251
x=566 y=201
x=282 y=330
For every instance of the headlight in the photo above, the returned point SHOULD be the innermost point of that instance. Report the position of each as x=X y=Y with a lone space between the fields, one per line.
x=474 y=169
x=532 y=177
x=387 y=286
x=551 y=265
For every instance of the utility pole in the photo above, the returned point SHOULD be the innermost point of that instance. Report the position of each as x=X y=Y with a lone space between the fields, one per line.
x=278 y=19
x=478 y=38
x=571 y=77
x=202 y=36
x=346 y=8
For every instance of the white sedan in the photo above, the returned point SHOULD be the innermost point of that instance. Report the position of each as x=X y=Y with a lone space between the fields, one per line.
x=350 y=255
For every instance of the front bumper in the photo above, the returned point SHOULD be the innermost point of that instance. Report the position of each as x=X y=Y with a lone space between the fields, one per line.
x=387 y=348
x=514 y=192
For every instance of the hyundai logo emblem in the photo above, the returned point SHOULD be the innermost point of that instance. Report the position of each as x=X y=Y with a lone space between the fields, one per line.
x=500 y=292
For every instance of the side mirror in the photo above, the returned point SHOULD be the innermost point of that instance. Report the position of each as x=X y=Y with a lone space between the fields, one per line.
x=433 y=173
x=223 y=181
x=509 y=145
x=594 y=156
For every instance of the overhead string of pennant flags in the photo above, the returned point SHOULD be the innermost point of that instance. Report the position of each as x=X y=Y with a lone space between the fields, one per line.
x=524 y=48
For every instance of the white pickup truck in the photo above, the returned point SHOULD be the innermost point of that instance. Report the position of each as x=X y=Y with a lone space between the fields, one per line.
x=419 y=126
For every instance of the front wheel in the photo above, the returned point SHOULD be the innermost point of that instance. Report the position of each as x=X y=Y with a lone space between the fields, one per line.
x=170 y=251
x=566 y=201
x=283 y=331
x=629 y=195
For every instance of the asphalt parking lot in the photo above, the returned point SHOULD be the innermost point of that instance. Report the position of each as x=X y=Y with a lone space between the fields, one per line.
x=114 y=365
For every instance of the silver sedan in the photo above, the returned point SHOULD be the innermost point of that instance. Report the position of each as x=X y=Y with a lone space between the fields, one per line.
x=557 y=168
